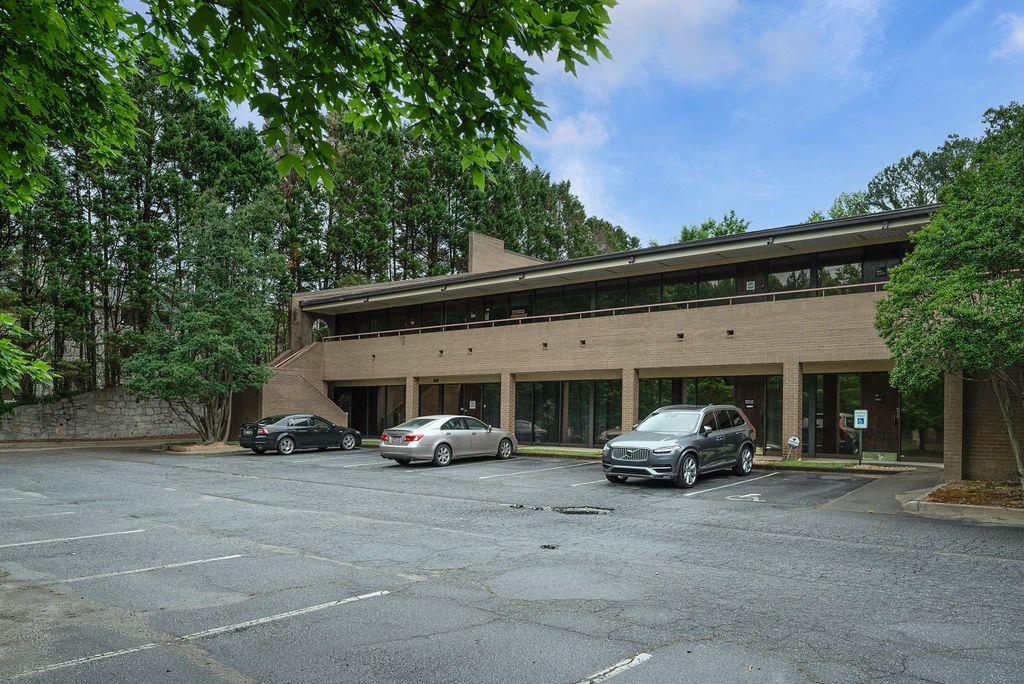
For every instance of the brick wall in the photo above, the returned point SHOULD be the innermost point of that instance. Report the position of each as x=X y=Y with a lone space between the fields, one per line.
x=487 y=254
x=105 y=414
x=986 y=446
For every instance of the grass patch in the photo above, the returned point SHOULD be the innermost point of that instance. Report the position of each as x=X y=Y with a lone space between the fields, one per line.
x=559 y=452
x=980 y=493
x=815 y=465
x=371 y=441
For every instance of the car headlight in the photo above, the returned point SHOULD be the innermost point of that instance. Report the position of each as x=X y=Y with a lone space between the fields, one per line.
x=607 y=450
x=661 y=451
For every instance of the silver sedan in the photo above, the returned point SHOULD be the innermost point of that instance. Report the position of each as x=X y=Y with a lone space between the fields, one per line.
x=441 y=438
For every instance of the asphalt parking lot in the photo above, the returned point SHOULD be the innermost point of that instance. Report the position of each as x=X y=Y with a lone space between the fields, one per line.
x=122 y=564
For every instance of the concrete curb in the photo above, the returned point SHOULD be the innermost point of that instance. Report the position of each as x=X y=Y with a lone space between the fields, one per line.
x=757 y=466
x=985 y=514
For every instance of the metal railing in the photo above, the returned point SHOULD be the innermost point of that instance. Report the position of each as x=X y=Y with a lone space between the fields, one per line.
x=621 y=310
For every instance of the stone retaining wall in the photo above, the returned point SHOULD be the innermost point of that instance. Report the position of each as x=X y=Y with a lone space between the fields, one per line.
x=105 y=414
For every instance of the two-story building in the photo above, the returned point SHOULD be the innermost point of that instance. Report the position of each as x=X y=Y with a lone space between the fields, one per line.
x=779 y=322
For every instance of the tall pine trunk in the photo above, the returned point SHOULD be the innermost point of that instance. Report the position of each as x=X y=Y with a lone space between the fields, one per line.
x=1005 y=390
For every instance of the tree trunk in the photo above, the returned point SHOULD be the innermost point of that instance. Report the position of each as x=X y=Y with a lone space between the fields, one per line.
x=1002 y=385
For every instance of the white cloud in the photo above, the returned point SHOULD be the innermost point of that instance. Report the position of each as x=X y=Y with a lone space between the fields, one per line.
x=572 y=148
x=827 y=37
x=1013 y=42
x=682 y=41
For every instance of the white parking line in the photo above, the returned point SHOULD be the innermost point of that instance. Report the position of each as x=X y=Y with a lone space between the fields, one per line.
x=616 y=669
x=37 y=515
x=731 y=484
x=360 y=465
x=149 y=569
x=538 y=470
x=580 y=484
x=65 y=539
x=201 y=635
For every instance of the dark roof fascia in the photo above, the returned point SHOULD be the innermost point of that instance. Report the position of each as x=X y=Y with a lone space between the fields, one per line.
x=796 y=229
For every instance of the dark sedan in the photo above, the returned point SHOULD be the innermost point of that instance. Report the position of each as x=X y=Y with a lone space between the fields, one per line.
x=285 y=434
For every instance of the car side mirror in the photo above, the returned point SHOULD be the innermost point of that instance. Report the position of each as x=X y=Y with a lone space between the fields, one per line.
x=636 y=425
x=706 y=429
x=489 y=428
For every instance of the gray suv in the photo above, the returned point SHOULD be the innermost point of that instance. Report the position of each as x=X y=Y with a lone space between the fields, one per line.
x=681 y=442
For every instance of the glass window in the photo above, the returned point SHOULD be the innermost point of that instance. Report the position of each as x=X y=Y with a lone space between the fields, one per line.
x=577 y=411
x=475 y=310
x=878 y=259
x=524 y=411
x=415 y=423
x=520 y=304
x=578 y=297
x=394 y=405
x=793 y=273
x=607 y=409
x=299 y=421
x=344 y=325
x=451 y=399
x=455 y=424
x=840 y=268
x=645 y=289
x=611 y=294
x=546 y=411
x=432 y=314
x=455 y=311
x=921 y=424
x=490 y=393
x=708 y=421
x=361 y=322
x=735 y=419
x=723 y=419
x=496 y=307
x=715 y=390
x=474 y=424
x=378 y=320
x=679 y=286
x=717 y=282
x=548 y=301
x=430 y=399
x=682 y=422
x=319 y=422
x=403 y=318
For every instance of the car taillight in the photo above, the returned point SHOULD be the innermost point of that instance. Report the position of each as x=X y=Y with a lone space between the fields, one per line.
x=383 y=437
x=261 y=431
x=413 y=438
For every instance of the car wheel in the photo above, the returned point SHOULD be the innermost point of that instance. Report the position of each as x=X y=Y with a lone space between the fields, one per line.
x=286 y=446
x=442 y=455
x=259 y=451
x=746 y=462
x=617 y=479
x=404 y=461
x=348 y=442
x=505 y=449
x=687 y=475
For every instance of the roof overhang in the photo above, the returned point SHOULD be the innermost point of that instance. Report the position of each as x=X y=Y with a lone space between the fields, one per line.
x=754 y=245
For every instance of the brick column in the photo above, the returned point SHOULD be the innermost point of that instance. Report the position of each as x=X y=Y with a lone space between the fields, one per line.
x=792 y=404
x=953 y=428
x=630 y=397
x=508 y=402
x=412 y=398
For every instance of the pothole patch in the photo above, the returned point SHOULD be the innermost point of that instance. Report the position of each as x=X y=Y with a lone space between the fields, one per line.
x=582 y=510
x=565 y=510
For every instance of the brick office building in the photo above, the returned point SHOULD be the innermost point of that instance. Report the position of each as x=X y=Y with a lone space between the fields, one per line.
x=779 y=322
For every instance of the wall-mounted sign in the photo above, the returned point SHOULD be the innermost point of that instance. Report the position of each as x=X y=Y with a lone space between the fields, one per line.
x=751 y=286
x=748 y=403
x=472 y=404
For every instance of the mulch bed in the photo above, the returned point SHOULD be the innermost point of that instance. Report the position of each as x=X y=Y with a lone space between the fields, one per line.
x=980 y=493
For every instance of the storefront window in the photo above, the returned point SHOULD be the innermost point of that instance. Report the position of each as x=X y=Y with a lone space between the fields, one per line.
x=432 y=314
x=577 y=411
x=789 y=274
x=455 y=311
x=520 y=304
x=607 y=409
x=921 y=425
x=717 y=282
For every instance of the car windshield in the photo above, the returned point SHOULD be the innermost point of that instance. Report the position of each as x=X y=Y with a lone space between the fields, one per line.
x=415 y=423
x=684 y=422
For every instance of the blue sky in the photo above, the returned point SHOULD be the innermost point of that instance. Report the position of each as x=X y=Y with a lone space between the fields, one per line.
x=772 y=108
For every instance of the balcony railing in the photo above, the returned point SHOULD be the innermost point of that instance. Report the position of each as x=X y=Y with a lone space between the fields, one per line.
x=621 y=310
